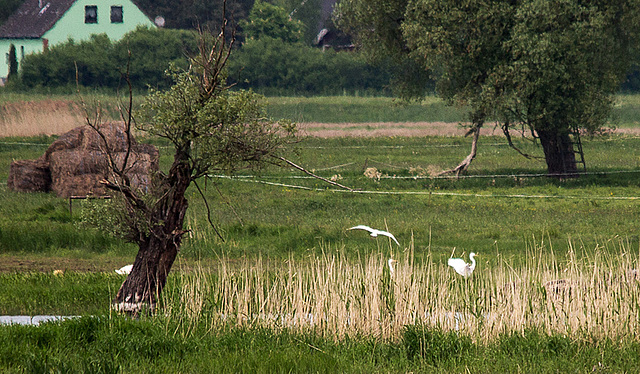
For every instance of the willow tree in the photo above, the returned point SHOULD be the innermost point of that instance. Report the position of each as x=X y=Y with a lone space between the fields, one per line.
x=549 y=68
x=212 y=129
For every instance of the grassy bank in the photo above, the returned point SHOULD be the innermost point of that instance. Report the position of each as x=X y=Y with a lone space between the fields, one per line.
x=291 y=289
x=115 y=345
x=504 y=202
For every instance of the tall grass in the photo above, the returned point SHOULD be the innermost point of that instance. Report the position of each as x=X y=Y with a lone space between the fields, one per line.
x=22 y=115
x=30 y=115
x=591 y=294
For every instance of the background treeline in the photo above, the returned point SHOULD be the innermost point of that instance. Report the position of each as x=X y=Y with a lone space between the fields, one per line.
x=266 y=65
x=272 y=57
x=191 y=14
x=275 y=53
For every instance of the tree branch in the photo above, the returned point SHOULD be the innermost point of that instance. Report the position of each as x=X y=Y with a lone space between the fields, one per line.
x=462 y=166
x=206 y=204
x=507 y=134
x=313 y=175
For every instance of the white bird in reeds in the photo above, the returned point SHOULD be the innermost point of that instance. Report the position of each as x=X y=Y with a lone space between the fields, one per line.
x=392 y=269
x=374 y=233
x=461 y=267
x=125 y=269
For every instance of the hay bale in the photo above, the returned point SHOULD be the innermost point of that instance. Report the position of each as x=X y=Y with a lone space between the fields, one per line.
x=29 y=176
x=86 y=138
x=79 y=172
x=78 y=185
x=77 y=161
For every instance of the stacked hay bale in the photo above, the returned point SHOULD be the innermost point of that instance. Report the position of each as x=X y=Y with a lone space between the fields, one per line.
x=29 y=176
x=76 y=163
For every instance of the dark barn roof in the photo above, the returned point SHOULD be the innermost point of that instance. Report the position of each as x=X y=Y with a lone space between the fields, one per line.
x=34 y=18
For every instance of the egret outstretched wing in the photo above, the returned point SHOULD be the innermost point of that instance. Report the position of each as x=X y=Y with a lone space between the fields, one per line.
x=362 y=227
x=374 y=232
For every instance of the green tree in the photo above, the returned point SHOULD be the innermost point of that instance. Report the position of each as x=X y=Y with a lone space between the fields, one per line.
x=13 y=63
x=212 y=129
x=306 y=11
x=549 y=67
x=270 y=66
x=567 y=60
x=267 y=20
x=7 y=8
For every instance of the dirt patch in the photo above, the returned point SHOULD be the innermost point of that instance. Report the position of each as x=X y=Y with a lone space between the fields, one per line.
x=22 y=264
x=374 y=129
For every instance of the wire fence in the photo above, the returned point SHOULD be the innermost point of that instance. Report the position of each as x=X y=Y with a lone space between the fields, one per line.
x=253 y=179
x=268 y=179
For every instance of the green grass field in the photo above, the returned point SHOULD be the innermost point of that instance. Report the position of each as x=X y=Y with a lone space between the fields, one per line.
x=287 y=252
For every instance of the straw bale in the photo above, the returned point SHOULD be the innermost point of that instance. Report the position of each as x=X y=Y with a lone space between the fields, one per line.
x=136 y=162
x=69 y=140
x=29 y=176
x=66 y=185
x=77 y=161
x=85 y=137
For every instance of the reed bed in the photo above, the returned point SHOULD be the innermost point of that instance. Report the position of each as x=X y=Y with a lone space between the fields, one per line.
x=590 y=293
x=46 y=117
x=42 y=116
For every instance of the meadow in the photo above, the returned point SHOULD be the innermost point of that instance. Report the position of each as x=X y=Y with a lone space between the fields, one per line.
x=291 y=289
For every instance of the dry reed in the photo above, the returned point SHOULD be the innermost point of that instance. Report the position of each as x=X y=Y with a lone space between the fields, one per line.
x=587 y=295
x=46 y=117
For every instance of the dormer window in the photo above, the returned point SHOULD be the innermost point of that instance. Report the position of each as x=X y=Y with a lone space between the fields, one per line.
x=116 y=14
x=91 y=14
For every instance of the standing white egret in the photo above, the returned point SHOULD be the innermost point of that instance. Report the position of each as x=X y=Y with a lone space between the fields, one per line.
x=374 y=233
x=392 y=269
x=461 y=267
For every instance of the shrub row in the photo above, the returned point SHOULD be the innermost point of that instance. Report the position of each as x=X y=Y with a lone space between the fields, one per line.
x=265 y=65
x=100 y=62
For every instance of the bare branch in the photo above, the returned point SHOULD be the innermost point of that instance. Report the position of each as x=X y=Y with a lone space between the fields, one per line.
x=206 y=204
x=313 y=175
x=507 y=134
x=462 y=166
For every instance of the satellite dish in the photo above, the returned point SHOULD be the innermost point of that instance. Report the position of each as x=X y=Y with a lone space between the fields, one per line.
x=159 y=21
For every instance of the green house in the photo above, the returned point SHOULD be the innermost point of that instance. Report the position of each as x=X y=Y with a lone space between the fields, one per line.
x=39 y=24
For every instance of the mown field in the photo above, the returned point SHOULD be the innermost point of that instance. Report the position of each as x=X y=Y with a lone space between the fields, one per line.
x=291 y=289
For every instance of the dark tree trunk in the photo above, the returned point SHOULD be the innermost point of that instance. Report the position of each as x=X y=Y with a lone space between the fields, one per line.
x=158 y=248
x=558 y=153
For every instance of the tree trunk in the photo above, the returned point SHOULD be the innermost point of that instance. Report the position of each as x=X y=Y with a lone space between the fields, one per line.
x=158 y=248
x=559 y=154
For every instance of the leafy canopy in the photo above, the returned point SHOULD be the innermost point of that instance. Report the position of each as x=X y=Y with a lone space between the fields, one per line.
x=547 y=65
x=222 y=130
x=267 y=20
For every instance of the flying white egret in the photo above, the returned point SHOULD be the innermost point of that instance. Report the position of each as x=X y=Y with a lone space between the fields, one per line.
x=462 y=267
x=391 y=264
x=374 y=233
x=125 y=269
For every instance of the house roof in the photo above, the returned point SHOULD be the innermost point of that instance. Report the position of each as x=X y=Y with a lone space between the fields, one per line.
x=34 y=18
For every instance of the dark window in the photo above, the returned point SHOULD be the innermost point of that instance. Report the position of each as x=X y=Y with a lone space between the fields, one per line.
x=116 y=14
x=91 y=14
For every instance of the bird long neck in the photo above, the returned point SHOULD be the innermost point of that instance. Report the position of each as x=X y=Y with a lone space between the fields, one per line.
x=473 y=260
